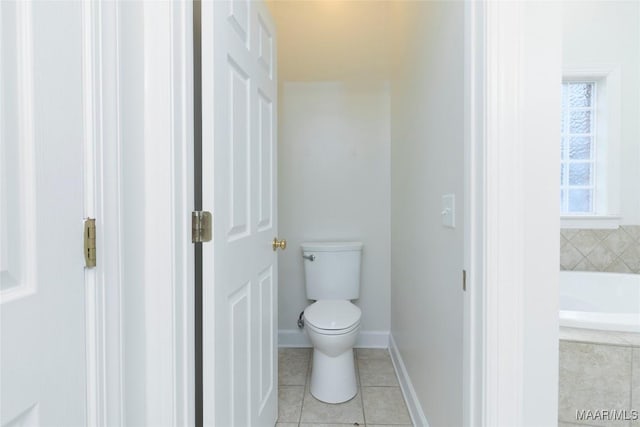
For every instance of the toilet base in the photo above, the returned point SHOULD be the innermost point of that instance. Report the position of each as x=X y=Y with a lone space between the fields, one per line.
x=333 y=379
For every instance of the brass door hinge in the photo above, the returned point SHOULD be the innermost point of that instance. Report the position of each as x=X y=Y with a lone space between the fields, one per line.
x=90 y=242
x=201 y=226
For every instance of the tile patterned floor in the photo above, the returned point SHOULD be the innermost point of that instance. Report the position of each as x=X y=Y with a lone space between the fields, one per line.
x=379 y=401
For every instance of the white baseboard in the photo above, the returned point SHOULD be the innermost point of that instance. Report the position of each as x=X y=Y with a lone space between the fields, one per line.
x=293 y=338
x=413 y=404
x=373 y=339
x=366 y=339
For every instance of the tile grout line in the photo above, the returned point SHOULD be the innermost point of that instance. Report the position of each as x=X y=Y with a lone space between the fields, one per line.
x=304 y=389
x=360 y=388
x=306 y=383
x=633 y=350
x=603 y=244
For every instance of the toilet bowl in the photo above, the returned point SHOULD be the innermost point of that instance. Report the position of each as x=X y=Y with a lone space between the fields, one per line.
x=332 y=280
x=333 y=327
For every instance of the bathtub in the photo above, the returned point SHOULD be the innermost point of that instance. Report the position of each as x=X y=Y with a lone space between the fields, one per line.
x=600 y=301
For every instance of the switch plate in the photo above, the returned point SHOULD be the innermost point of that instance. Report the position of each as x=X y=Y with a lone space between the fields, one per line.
x=449 y=210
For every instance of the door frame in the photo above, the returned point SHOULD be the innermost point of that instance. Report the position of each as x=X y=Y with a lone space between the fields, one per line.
x=501 y=35
x=511 y=241
x=102 y=202
x=164 y=271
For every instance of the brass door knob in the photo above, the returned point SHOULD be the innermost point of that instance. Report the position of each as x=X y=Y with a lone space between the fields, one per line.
x=282 y=244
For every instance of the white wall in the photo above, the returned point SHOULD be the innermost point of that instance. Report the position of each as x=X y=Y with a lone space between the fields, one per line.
x=608 y=33
x=321 y=40
x=539 y=111
x=427 y=143
x=333 y=184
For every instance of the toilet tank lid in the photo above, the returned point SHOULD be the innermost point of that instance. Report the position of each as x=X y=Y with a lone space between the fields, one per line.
x=331 y=246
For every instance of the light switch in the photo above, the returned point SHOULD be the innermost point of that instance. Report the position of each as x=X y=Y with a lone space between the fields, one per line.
x=449 y=210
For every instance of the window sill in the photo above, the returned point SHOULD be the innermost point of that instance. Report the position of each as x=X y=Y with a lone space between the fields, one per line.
x=590 y=221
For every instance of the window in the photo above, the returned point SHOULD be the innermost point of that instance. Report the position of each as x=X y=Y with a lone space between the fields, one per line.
x=578 y=148
x=590 y=146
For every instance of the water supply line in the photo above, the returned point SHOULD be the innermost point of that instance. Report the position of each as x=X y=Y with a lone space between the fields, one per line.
x=301 y=320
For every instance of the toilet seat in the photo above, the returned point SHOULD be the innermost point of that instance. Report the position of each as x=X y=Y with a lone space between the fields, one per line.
x=332 y=317
x=332 y=331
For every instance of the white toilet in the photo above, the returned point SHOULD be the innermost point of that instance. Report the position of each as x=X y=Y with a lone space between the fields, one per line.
x=332 y=277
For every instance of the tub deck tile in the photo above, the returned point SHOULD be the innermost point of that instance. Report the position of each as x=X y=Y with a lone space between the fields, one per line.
x=592 y=336
x=594 y=377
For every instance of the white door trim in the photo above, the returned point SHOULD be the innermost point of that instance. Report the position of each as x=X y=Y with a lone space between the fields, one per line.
x=167 y=263
x=502 y=216
x=504 y=289
x=473 y=334
x=102 y=201
x=208 y=299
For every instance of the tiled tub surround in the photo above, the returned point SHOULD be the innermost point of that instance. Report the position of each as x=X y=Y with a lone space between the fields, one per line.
x=379 y=401
x=598 y=371
x=616 y=250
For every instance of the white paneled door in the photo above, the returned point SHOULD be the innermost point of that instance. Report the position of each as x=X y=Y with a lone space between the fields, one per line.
x=239 y=90
x=42 y=296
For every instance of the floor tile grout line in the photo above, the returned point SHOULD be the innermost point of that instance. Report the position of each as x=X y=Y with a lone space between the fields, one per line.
x=632 y=377
x=304 y=389
x=360 y=389
x=364 y=414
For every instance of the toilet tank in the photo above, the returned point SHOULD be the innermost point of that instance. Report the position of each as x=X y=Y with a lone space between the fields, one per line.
x=334 y=272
